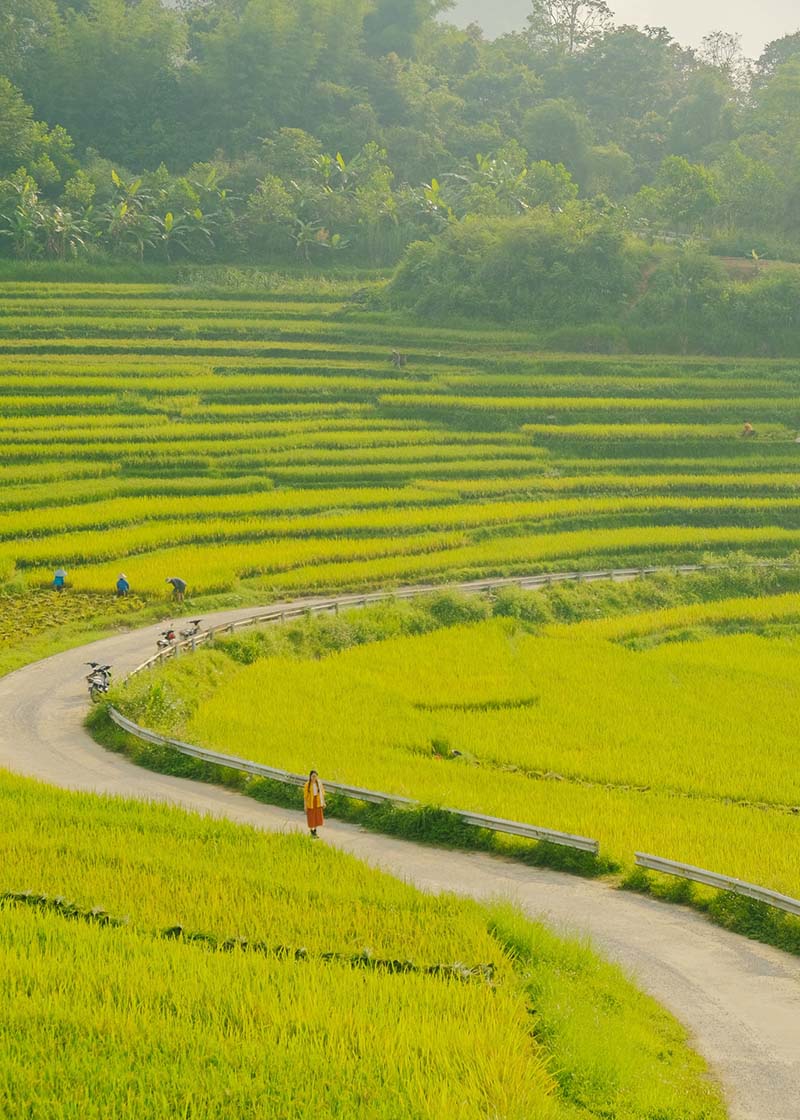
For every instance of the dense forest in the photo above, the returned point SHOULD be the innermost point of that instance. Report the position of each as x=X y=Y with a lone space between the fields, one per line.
x=311 y=129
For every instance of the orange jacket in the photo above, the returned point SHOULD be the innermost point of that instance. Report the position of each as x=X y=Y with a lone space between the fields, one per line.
x=312 y=791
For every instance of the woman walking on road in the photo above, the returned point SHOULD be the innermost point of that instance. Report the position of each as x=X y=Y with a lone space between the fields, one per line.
x=314 y=800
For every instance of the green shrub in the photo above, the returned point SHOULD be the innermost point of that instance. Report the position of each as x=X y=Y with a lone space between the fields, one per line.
x=543 y=269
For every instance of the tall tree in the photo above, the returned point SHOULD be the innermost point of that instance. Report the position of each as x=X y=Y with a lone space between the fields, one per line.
x=683 y=197
x=567 y=26
x=256 y=67
x=24 y=29
x=17 y=128
x=723 y=51
x=394 y=26
x=777 y=104
x=702 y=122
x=625 y=77
x=750 y=191
x=785 y=49
x=44 y=152
x=557 y=132
x=110 y=76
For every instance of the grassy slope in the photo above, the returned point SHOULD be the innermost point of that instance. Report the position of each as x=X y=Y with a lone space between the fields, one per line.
x=221 y=1033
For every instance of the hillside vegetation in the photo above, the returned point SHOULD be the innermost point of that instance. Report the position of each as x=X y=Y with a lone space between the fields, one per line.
x=310 y=296
x=324 y=129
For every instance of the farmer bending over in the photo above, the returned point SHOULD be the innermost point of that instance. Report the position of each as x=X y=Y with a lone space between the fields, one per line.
x=178 y=588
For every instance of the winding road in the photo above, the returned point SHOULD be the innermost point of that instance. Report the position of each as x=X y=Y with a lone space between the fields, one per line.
x=739 y=999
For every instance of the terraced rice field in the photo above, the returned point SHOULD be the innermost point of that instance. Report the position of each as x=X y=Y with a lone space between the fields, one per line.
x=163 y=964
x=270 y=441
x=671 y=732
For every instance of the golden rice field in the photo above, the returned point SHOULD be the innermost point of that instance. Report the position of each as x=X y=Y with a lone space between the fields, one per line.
x=673 y=732
x=166 y=964
x=270 y=443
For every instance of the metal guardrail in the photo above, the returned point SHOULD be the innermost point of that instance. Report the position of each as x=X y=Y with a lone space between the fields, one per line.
x=495 y=824
x=719 y=882
x=471 y=587
x=231 y=762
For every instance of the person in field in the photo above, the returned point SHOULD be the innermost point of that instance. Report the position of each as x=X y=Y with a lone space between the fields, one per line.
x=59 y=580
x=314 y=800
x=178 y=588
x=123 y=587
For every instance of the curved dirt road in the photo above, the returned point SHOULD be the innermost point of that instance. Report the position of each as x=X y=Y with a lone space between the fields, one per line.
x=740 y=1000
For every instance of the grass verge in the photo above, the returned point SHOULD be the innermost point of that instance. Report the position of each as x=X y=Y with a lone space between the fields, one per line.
x=746 y=916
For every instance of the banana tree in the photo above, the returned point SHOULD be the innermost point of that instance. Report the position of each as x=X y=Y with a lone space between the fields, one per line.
x=125 y=222
x=310 y=236
x=491 y=185
x=181 y=230
x=126 y=228
x=22 y=220
x=22 y=229
x=433 y=205
x=65 y=234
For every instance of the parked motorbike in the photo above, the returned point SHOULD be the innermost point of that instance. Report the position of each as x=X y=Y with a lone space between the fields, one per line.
x=193 y=629
x=167 y=639
x=99 y=680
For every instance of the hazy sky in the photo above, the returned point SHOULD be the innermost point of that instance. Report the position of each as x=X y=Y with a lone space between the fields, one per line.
x=688 y=20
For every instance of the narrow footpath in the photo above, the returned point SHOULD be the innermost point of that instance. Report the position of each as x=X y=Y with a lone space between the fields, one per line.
x=740 y=1000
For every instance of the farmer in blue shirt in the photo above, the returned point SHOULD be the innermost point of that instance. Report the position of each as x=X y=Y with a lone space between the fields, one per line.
x=123 y=587
x=178 y=588
x=60 y=580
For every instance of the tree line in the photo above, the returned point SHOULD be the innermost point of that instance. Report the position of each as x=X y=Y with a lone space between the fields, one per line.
x=306 y=129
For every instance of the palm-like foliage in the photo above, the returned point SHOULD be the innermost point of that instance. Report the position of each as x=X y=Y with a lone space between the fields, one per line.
x=181 y=231
x=37 y=228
